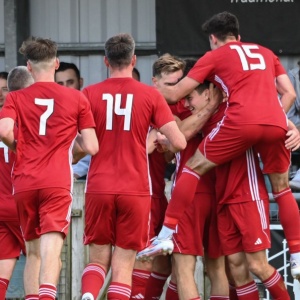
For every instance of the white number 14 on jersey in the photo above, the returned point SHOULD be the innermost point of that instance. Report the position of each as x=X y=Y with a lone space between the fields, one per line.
x=114 y=106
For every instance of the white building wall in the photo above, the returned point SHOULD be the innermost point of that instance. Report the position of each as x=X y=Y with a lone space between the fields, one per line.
x=93 y=21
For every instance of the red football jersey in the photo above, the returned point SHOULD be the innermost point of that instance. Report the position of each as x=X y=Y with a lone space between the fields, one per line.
x=246 y=72
x=48 y=117
x=8 y=209
x=123 y=109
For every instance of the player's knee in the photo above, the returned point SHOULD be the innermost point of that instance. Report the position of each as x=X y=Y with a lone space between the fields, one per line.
x=258 y=267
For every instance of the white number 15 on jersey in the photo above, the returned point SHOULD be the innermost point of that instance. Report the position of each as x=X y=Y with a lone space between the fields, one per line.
x=245 y=52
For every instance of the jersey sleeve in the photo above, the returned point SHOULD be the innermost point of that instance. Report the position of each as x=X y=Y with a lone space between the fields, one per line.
x=203 y=68
x=9 y=108
x=85 y=118
x=279 y=69
x=162 y=112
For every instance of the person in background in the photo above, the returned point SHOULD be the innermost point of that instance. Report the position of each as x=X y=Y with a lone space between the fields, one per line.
x=136 y=74
x=294 y=115
x=11 y=240
x=68 y=75
x=49 y=117
x=3 y=87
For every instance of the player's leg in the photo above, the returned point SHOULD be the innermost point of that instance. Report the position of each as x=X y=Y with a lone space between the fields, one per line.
x=160 y=272
x=50 y=249
x=259 y=266
x=184 y=269
x=6 y=269
x=29 y=221
x=131 y=234
x=140 y=275
x=276 y=165
x=121 y=266
x=171 y=292
x=215 y=268
x=32 y=267
x=95 y=271
x=11 y=244
x=99 y=236
x=54 y=218
x=245 y=285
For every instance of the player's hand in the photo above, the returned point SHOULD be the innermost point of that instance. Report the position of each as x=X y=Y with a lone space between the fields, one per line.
x=293 y=139
x=216 y=96
x=162 y=143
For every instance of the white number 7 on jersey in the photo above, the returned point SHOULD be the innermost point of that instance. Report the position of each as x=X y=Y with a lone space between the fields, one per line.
x=43 y=119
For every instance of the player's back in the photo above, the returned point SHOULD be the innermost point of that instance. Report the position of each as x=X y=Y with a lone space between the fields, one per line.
x=8 y=210
x=123 y=110
x=247 y=72
x=48 y=116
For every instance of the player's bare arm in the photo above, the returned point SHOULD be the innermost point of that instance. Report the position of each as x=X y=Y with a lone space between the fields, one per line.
x=88 y=141
x=178 y=91
x=177 y=141
x=77 y=152
x=151 y=140
x=7 y=133
x=286 y=91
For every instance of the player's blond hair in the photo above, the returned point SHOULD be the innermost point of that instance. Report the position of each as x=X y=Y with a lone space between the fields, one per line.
x=167 y=64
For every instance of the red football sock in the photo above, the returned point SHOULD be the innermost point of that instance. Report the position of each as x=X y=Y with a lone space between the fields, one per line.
x=118 y=291
x=139 y=283
x=232 y=293
x=182 y=196
x=47 y=291
x=248 y=291
x=92 y=279
x=3 y=288
x=289 y=218
x=172 y=293
x=155 y=286
x=276 y=287
x=32 y=297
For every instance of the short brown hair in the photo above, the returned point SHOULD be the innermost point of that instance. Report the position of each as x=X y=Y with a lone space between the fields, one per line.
x=119 y=50
x=167 y=63
x=38 y=49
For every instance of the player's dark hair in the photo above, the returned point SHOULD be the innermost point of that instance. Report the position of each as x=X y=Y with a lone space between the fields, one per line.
x=63 y=66
x=222 y=25
x=119 y=50
x=4 y=75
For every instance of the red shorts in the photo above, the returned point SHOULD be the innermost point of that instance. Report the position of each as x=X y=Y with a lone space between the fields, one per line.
x=158 y=209
x=42 y=211
x=11 y=240
x=120 y=220
x=226 y=142
x=197 y=229
x=244 y=226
